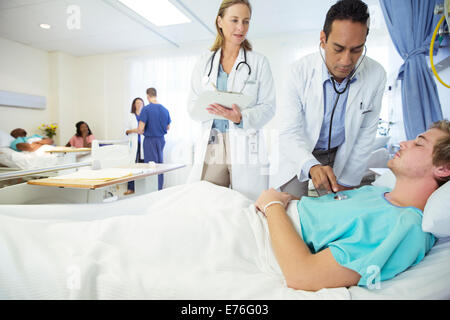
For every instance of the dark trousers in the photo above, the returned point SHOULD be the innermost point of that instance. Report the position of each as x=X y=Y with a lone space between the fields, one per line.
x=138 y=160
x=153 y=151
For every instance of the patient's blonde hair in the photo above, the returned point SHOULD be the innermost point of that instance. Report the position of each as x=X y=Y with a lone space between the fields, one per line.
x=441 y=150
x=220 y=38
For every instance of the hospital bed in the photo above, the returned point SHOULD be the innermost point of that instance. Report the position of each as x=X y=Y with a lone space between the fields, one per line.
x=11 y=160
x=45 y=156
x=103 y=179
x=193 y=241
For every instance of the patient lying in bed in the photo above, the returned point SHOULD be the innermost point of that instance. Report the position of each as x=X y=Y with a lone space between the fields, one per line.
x=201 y=241
x=24 y=143
x=373 y=233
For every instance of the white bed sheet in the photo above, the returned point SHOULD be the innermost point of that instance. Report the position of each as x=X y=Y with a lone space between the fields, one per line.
x=196 y=241
x=28 y=160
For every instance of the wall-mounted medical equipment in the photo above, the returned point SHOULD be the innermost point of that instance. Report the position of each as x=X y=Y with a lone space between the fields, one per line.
x=22 y=100
x=445 y=11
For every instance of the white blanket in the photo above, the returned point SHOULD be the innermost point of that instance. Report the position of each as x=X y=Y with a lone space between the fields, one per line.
x=28 y=160
x=196 y=241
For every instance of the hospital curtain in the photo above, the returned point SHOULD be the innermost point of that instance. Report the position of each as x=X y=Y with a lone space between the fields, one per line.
x=411 y=24
x=171 y=76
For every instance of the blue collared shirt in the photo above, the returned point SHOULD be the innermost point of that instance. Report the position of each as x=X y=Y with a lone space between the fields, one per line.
x=330 y=96
x=338 y=130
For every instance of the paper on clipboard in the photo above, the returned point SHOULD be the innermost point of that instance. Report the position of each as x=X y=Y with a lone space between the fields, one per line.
x=226 y=99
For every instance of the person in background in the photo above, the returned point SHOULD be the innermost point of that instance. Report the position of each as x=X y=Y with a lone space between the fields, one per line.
x=132 y=132
x=154 y=122
x=24 y=143
x=83 y=138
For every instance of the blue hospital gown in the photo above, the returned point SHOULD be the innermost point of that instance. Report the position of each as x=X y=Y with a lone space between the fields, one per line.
x=365 y=232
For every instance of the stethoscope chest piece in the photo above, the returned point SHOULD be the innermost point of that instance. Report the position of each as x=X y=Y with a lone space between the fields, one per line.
x=340 y=196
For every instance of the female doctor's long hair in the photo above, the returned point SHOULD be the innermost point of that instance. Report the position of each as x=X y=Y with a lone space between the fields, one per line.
x=220 y=39
x=133 y=105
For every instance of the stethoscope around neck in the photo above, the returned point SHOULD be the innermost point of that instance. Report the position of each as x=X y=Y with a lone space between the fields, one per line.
x=206 y=78
x=339 y=93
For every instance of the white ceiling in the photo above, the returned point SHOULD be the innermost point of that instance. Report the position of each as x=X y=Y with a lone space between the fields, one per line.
x=107 y=26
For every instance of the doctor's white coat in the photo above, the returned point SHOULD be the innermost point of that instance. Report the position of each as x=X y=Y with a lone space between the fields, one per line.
x=131 y=124
x=249 y=159
x=302 y=113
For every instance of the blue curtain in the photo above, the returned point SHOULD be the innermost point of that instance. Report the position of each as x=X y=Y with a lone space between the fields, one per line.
x=411 y=24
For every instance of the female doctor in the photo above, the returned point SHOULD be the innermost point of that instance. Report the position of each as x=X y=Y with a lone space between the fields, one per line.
x=232 y=152
x=131 y=128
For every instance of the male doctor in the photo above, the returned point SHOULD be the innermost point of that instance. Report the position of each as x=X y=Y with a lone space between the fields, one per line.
x=333 y=101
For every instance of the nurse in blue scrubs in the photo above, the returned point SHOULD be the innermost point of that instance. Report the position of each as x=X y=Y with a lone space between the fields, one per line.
x=154 y=122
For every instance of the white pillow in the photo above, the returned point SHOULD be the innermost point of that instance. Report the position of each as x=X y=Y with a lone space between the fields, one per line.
x=386 y=179
x=436 y=215
x=5 y=139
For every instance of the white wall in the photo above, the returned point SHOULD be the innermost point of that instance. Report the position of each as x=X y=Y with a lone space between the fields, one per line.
x=105 y=91
x=24 y=70
x=64 y=97
x=53 y=75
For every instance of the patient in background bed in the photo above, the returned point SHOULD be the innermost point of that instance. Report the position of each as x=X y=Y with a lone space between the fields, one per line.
x=24 y=143
x=375 y=233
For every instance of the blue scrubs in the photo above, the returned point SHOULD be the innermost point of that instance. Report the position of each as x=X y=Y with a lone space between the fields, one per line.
x=156 y=118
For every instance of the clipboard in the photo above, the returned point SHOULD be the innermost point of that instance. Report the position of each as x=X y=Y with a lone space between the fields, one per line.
x=226 y=99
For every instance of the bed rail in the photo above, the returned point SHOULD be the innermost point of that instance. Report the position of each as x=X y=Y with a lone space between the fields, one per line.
x=24 y=173
x=113 y=153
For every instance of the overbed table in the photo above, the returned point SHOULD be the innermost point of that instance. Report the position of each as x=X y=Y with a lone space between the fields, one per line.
x=51 y=190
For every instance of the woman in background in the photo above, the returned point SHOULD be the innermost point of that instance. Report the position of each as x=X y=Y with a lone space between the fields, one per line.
x=136 y=139
x=83 y=138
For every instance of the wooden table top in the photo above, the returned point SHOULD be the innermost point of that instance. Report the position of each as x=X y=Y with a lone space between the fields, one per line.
x=67 y=150
x=96 y=184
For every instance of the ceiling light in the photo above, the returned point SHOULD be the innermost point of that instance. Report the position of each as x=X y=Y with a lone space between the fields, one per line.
x=45 y=26
x=159 y=12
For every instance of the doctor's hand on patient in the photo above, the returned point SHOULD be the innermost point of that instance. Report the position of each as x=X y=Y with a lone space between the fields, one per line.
x=233 y=114
x=323 y=178
x=270 y=195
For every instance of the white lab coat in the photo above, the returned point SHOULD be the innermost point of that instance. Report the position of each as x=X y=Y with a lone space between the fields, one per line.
x=302 y=112
x=249 y=161
x=130 y=124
